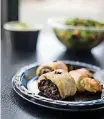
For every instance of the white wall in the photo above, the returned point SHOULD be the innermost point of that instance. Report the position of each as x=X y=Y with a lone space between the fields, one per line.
x=38 y=11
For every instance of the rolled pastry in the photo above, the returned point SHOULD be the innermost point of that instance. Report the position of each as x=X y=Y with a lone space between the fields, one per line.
x=85 y=83
x=91 y=85
x=78 y=80
x=57 y=84
x=84 y=72
x=51 y=66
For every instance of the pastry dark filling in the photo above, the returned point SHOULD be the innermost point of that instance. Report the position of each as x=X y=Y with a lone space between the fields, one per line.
x=59 y=71
x=49 y=89
x=45 y=70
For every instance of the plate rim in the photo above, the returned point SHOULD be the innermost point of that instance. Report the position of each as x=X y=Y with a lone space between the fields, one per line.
x=16 y=80
x=56 y=108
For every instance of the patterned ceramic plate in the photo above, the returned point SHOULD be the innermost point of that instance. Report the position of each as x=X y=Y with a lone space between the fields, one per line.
x=25 y=84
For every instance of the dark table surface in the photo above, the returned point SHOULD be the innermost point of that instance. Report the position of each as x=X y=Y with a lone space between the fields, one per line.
x=48 y=48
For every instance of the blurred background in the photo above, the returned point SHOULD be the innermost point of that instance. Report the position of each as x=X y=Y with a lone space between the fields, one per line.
x=38 y=11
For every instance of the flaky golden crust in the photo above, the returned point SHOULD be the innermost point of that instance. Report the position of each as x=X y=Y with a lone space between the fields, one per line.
x=78 y=80
x=60 y=65
x=84 y=72
x=91 y=85
x=84 y=82
x=51 y=66
x=43 y=67
x=64 y=82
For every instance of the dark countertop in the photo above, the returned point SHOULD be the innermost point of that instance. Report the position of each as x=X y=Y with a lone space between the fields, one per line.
x=13 y=106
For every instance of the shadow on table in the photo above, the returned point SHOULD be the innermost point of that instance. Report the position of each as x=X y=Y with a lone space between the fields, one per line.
x=82 y=56
x=22 y=57
x=42 y=112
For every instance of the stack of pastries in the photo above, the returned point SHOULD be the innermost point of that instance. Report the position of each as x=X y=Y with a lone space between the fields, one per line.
x=56 y=82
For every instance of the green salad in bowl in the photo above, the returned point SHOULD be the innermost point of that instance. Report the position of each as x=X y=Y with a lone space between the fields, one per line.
x=78 y=33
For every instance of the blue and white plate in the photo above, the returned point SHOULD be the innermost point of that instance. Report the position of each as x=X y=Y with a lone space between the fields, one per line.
x=24 y=84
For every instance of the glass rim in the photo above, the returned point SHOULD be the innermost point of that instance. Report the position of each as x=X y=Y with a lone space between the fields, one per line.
x=54 y=22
